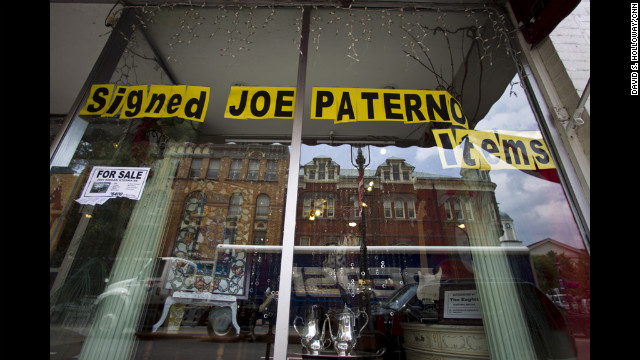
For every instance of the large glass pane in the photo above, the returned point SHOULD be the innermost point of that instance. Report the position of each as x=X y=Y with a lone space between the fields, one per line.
x=427 y=254
x=188 y=267
x=421 y=228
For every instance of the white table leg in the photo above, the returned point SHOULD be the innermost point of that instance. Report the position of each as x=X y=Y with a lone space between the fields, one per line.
x=234 y=310
x=165 y=311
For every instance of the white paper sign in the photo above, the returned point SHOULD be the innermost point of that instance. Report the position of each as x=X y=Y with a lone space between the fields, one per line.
x=462 y=304
x=106 y=182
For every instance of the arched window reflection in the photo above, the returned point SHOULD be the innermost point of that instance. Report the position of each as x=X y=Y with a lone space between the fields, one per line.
x=235 y=204
x=191 y=216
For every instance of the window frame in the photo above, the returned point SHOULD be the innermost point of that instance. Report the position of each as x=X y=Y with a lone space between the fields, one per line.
x=260 y=208
x=253 y=173
x=192 y=170
x=235 y=173
x=215 y=175
x=327 y=205
x=398 y=208
x=572 y=181
x=271 y=172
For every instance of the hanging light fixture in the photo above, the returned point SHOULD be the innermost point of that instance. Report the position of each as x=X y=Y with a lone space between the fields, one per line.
x=361 y=162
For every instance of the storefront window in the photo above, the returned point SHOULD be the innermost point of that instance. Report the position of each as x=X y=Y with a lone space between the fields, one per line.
x=184 y=261
x=410 y=200
x=424 y=251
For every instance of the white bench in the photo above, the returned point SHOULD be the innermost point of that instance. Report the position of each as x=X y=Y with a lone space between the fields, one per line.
x=199 y=299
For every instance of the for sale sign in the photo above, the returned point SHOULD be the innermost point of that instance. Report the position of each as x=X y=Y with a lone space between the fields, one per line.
x=106 y=182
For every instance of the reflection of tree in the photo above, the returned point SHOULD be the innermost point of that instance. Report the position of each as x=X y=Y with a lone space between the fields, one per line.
x=583 y=274
x=138 y=142
x=574 y=273
x=546 y=271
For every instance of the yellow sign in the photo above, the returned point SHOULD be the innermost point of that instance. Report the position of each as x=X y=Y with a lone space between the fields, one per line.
x=186 y=102
x=347 y=105
x=249 y=102
x=491 y=150
x=471 y=149
x=409 y=106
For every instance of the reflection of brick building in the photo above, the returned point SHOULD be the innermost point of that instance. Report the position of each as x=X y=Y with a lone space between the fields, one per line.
x=235 y=194
x=405 y=207
x=225 y=194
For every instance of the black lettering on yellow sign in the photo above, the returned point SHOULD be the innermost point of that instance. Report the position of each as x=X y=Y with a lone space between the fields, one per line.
x=491 y=150
x=409 y=106
x=250 y=102
x=187 y=102
x=347 y=105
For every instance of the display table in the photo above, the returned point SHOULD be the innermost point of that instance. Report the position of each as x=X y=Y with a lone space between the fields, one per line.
x=199 y=299
x=444 y=342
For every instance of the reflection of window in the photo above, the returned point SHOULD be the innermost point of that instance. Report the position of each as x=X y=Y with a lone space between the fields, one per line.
x=469 y=213
x=234 y=170
x=492 y=212
x=214 y=167
x=306 y=207
x=411 y=209
x=260 y=225
x=304 y=241
x=314 y=207
x=398 y=206
x=396 y=170
x=395 y=208
x=455 y=211
x=259 y=238
x=387 y=208
x=254 y=166
x=194 y=171
x=450 y=209
x=272 y=166
x=330 y=207
x=191 y=217
x=235 y=204
x=194 y=205
x=322 y=169
x=262 y=205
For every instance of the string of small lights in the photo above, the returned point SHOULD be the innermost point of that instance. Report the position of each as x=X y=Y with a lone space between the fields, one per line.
x=419 y=28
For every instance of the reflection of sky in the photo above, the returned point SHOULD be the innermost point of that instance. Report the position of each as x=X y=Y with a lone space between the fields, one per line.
x=538 y=206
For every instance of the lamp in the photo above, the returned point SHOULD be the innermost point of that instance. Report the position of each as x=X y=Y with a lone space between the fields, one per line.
x=361 y=162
